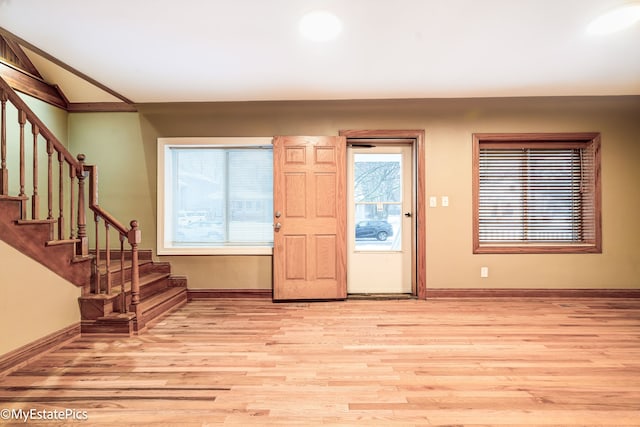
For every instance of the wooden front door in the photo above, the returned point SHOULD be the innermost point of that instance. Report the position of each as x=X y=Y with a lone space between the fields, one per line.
x=309 y=197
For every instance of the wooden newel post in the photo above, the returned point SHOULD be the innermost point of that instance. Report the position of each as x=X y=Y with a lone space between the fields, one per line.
x=82 y=247
x=134 y=237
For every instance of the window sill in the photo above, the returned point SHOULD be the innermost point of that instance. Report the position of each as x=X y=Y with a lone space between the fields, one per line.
x=560 y=248
x=228 y=250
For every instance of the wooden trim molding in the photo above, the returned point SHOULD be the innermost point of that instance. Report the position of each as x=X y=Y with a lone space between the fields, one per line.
x=101 y=107
x=52 y=94
x=200 y=294
x=22 y=355
x=23 y=60
x=31 y=85
x=421 y=235
x=589 y=141
x=8 y=35
x=532 y=293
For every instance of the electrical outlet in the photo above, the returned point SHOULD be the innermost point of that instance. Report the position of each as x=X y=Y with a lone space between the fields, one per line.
x=445 y=201
x=484 y=271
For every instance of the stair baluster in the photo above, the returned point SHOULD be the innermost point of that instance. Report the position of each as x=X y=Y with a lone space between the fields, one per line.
x=4 y=173
x=22 y=119
x=35 y=198
x=123 y=292
x=107 y=257
x=50 y=182
x=97 y=285
x=72 y=201
x=60 y=196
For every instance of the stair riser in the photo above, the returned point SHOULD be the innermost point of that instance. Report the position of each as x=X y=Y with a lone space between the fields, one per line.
x=178 y=281
x=107 y=327
x=143 y=254
x=149 y=290
x=116 y=276
x=91 y=309
x=161 y=309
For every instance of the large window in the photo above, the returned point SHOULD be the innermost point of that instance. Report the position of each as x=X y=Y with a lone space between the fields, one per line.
x=536 y=193
x=215 y=196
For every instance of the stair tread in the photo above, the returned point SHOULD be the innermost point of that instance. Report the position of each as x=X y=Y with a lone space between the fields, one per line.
x=143 y=254
x=115 y=264
x=150 y=278
x=14 y=198
x=161 y=297
x=144 y=280
x=122 y=317
x=61 y=242
x=35 y=221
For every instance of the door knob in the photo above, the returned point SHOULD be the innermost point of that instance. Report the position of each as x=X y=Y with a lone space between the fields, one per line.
x=407 y=214
x=277 y=226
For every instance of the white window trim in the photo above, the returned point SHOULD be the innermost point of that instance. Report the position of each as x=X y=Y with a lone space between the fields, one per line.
x=164 y=246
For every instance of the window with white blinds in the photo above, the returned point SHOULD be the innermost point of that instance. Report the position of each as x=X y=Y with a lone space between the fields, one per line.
x=215 y=196
x=536 y=193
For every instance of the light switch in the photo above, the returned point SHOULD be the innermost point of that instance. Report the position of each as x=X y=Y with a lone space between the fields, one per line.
x=433 y=201
x=445 y=201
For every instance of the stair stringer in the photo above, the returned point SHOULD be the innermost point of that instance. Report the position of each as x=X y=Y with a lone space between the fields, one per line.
x=31 y=237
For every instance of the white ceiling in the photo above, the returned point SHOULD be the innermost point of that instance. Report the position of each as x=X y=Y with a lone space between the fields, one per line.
x=237 y=50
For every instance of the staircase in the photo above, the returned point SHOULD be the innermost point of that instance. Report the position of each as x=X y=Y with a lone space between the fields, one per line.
x=123 y=291
x=160 y=292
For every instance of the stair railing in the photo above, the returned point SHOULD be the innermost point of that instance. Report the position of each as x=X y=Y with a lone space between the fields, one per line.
x=64 y=182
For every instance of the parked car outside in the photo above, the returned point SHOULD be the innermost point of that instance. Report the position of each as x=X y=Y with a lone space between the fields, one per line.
x=378 y=229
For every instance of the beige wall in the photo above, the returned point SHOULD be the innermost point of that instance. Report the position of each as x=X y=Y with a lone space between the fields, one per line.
x=34 y=301
x=124 y=146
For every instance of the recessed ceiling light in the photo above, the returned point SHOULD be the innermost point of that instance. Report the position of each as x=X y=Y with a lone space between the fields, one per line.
x=617 y=19
x=320 y=26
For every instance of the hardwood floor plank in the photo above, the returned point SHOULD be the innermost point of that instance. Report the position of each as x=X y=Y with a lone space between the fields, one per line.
x=520 y=362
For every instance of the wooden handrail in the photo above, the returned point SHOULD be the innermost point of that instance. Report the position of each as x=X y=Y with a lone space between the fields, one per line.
x=34 y=120
x=95 y=206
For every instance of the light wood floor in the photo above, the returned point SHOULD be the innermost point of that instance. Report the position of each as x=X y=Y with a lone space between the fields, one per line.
x=439 y=362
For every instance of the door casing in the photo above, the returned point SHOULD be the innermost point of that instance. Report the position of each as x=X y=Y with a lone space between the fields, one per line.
x=417 y=136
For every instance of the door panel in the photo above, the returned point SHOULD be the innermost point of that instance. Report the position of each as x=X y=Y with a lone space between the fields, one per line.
x=309 y=245
x=295 y=194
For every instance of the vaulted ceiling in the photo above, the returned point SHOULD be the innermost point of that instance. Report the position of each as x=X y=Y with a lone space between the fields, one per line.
x=198 y=50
